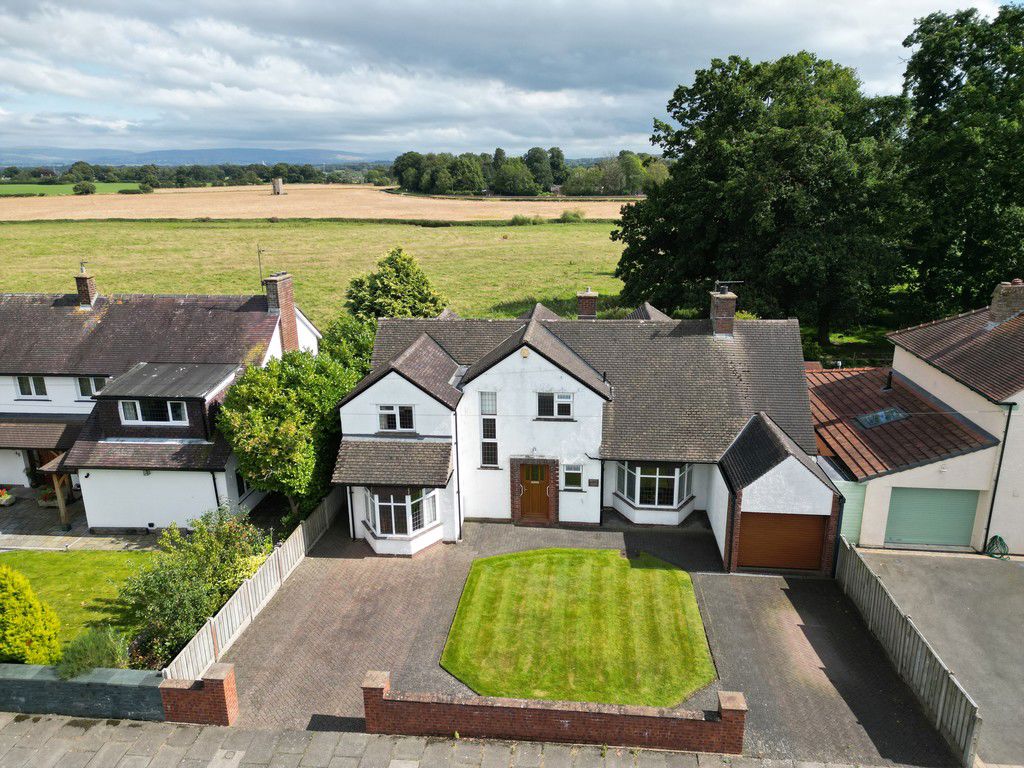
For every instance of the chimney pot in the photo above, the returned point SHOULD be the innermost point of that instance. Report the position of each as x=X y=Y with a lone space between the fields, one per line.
x=281 y=301
x=723 y=312
x=586 y=304
x=86 y=286
x=1007 y=301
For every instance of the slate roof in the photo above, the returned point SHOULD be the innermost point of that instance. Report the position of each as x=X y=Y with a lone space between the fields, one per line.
x=761 y=446
x=41 y=431
x=931 y=432
x=647 y=311
x=678 y=392
x=51 y=334
x=989 y=360
x=425 y=364
x=393 y=462
x=187 y=380
x=539 y=312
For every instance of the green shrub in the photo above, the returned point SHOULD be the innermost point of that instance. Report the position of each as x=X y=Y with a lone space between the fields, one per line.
x=129 y=191
x=521 y=220
x=101 y=647
x=572 y=216
x=28 y=628
x=145 y=189
x=84 y=188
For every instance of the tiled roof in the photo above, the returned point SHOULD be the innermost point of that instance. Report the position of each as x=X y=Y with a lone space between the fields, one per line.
x=51 y=334
x=40 y=431
x=393 y=462
x=647 y=311
x=423 y=363
x=987 y=357
x=678 y=392
x=759 y=447
x=194 y=380
x=539 y=312
x=929 y=433
x=538 y=338
x=92 y=451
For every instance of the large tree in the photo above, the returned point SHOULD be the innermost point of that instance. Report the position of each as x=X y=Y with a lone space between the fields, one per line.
x=965 y=156
x=784 y=177
x=397 y=288
x=514 y=178
x=537 y=160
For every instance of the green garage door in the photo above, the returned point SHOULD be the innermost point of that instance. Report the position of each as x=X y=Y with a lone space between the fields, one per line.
x=931 y=516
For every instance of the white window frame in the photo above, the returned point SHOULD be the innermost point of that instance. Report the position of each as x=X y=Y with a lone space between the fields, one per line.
x=242 y=487
x=93 y=388
x=171 y=421
x=486 y=416
x=396 y=411
x=558 y=401
x=33 y=382
x=427 y=499
x=572 y=469
x=628 y=480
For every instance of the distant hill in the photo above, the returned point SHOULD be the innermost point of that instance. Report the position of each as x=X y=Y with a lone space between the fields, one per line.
x=234 y=155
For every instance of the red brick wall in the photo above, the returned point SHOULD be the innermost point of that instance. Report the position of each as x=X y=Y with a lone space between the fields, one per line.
x=586 y=305
x=569 y=722
x=516 y=489
x=281 y=299
x=86 y=287
x=210 y=701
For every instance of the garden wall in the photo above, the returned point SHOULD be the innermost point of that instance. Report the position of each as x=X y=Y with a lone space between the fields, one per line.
x=418 y=714
x=128 y=694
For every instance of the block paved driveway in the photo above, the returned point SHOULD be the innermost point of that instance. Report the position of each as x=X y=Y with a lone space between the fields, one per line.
x=971 y=609
x=818 y=686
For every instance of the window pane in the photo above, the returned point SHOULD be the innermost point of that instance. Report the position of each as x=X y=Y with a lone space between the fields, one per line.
x=545 y=404
x=84 y=386
x=401 y=520
x=565 y=409
x=620 y=477
x=573 y=474
x=388 y=421
x=430 y=509
x=490 y=430
x=129 y=410
x=648 y=490
x=177 y=411
x=24 y=386
x=417 y=514
x=405 y=417
x=154 y=410
x=40 y=385
x=488 y=403
x=98 y=384
x=666 y=489
x=385 y=514
x=489 y=454
x=630 y=485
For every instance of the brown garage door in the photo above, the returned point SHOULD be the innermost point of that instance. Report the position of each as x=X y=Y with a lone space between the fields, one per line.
x=781 y=541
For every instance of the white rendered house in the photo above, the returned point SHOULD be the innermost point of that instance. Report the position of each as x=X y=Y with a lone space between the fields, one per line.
x=549 y=421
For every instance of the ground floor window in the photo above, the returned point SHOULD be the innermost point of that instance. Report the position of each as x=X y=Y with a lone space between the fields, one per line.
x=400 y=511
x=647 y=484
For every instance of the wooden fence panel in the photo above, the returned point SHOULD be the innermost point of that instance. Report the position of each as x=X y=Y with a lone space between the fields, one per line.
x=219 y=632
x=944 y=700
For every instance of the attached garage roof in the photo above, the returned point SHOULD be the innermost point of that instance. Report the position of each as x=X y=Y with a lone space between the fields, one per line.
x=393 y=462
x=46 y=432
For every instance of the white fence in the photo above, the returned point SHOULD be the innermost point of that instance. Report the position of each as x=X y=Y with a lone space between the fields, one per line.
x=944 y=700
x=218 y=633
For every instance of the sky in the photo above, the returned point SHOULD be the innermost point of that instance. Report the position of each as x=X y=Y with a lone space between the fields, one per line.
x=379 y=77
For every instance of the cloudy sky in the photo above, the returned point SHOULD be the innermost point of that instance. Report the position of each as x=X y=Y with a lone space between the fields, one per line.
x=381 y=76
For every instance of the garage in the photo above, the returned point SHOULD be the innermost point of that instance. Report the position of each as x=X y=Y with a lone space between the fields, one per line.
x=931 y=516
x=781 y=540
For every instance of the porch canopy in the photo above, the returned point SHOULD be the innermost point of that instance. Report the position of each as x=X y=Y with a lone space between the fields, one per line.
x=394 y=462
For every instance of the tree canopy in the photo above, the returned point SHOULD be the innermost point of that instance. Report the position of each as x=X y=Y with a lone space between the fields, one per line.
x=397 y=288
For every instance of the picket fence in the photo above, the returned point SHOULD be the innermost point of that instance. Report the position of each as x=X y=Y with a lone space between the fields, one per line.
x=944 y=700
x=214 y=638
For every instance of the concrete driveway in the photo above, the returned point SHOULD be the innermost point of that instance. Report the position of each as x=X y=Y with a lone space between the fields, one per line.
x=971 y=609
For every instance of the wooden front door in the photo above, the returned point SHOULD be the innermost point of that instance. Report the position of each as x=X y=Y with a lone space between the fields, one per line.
x=535 y=502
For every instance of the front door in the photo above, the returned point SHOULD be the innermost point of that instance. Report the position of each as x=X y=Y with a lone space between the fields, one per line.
x=535 y=503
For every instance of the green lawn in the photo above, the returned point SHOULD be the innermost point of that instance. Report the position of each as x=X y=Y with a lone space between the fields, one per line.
x=579 y=625
x=102 y=188
x=485 y=271
x=78 y=585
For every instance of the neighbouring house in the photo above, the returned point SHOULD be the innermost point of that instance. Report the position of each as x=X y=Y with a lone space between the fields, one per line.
x=118 y=395
x=544 y=420
x=930 y=452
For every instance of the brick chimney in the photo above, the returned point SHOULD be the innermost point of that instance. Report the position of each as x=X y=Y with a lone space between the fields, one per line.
x=586 y=305
x=281 y=301
x=1007 y=301
x=86 y=285
x=723 y=311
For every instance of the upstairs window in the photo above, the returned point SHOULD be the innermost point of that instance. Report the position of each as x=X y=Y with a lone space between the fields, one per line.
x=489 y=429
x=554 y=405
x=31 y=386
x=90 y=385
x=153 y=412
x=395 y=418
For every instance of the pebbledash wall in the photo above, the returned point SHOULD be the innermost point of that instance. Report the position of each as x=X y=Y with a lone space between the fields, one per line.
x=418 y=714
x=129 y=694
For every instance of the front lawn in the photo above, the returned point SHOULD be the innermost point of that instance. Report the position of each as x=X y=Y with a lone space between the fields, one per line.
x=579 y=625
x=80 y=586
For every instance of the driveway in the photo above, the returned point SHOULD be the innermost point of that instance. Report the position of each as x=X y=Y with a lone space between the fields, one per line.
x=818 y=686
x=971 y=609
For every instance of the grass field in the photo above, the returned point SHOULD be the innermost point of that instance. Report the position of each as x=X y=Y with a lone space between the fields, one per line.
x=50 y=190
x=485 y=271
x=579 y=625
x=78 y=585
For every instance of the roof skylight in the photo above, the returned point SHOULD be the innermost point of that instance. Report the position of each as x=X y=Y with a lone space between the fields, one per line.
x=884 y=416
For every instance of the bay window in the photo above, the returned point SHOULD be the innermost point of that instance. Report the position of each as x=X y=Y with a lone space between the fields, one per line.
x=400 y=511
x=647 y=484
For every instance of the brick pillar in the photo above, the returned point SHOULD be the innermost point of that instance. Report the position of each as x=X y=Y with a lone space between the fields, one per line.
x=210 y=701
x=281 y=301
x=732 y=540
x=732 y=709
x=376 y=685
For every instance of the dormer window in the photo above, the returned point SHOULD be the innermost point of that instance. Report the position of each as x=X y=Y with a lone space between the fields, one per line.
x=90 y=385
x=33 y=387
x=153 y=412
x=554 y=405
x=396 y=418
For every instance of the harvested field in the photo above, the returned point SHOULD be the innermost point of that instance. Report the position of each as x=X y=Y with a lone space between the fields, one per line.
x=301 y=201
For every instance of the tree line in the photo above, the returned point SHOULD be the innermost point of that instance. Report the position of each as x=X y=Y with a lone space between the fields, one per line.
x=834 y=206
x=538 y=171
